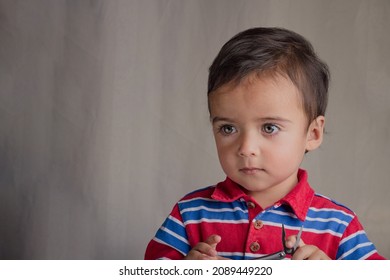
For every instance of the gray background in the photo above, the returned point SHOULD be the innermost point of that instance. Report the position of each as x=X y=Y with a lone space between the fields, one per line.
x=104 y=123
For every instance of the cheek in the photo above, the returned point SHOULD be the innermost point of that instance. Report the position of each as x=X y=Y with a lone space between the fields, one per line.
x=225 y=151
x=285 y=146
x=291 y=147
x=223 y=144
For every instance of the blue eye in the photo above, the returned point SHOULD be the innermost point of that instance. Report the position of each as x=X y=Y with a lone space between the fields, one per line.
x=227 y=129
x=270 y=128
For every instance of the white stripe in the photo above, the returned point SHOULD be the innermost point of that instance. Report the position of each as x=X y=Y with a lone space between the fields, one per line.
x=279 y=225
x=173 y=219
x=230 y=254
x=174 y=234
x=346 y=254
x=281 y=213
x=251 y=255
x=243 y=221
x=314 y=219
x=352 y=236
x=327 y=220
x=218 y=210
x=330 y=210
x=322 y=231
x=164 y=243
x=368 y=255
x=305 y=229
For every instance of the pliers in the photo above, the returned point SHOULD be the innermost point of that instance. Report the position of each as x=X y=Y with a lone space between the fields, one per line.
x=282 y=254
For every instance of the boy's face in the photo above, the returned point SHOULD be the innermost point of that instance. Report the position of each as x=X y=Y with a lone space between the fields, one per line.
x=261 y=133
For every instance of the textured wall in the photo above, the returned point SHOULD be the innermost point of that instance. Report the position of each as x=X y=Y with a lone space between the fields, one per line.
x=104 y=125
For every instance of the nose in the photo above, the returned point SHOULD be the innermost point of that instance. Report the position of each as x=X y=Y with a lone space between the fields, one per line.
x=248 y=145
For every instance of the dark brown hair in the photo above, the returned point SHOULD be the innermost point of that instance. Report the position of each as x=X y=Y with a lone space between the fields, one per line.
x=275 y=51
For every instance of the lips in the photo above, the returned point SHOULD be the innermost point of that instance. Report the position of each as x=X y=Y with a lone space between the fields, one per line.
x=250 y=170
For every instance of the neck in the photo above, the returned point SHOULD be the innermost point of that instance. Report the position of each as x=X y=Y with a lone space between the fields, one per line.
x=273 y=194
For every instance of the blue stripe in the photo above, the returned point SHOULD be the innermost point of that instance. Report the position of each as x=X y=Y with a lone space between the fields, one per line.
x=327 y=226
x=206 y=214
x=234 y=211
x=232 y=257
x=351 y=244
x=175 y=227
x=284 y=215
x=171 y=240
x=359 y=253
x=326 y=214
x=316 y=222
x=273 y=216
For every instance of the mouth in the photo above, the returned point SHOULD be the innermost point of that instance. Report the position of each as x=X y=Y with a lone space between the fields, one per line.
x=250 y=170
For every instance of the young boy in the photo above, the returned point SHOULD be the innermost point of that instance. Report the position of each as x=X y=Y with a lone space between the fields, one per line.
x=267 y=95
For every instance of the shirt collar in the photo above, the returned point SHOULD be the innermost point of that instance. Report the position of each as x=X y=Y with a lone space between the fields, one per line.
x=299 y=198
x=228 y=191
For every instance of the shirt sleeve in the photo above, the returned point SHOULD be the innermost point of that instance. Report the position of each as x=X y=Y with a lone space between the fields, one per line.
x=170 y=241
x=355 y=245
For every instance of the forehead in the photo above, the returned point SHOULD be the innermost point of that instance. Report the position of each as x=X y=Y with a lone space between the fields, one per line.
x=258 y=96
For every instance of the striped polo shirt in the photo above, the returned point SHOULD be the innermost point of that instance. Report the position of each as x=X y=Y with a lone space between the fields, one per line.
x=247 y=231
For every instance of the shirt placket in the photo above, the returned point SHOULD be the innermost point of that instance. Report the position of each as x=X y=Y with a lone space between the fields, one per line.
x=253 y=244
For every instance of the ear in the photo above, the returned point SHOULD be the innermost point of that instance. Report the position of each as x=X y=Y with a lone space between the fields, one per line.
x=315 y=133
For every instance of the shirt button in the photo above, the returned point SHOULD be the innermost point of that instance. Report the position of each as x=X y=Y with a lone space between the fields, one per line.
x=255 y=246
x=258 y=224
x=251 y=205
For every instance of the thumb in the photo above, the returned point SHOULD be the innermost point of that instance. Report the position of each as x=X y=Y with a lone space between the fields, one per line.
x=213 y=240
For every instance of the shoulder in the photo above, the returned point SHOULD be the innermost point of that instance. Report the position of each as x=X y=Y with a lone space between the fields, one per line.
x=320 y=200
x=329 y=207
x=204 y=199
x=205 y=192
x=196 y=197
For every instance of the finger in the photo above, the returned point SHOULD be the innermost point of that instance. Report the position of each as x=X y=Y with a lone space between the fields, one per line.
x=222 y=258
x=206 y=249
x=304 y=252
x=309 y=252
x=290 y=242
x=213 y=240
x=318 y=255
x=201 y=251
x=195 y=255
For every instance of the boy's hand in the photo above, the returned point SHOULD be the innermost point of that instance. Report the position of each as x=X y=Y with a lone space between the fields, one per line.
x=205 y=250
x=305 y=252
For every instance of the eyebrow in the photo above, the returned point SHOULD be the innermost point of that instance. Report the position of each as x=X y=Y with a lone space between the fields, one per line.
x=221 y=119
x=266 y=119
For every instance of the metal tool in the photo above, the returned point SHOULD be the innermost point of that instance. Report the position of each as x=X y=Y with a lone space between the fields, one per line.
x=286 y=251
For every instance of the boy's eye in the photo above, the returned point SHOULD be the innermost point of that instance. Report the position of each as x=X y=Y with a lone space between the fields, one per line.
x=270 y=128
x=227 y=129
